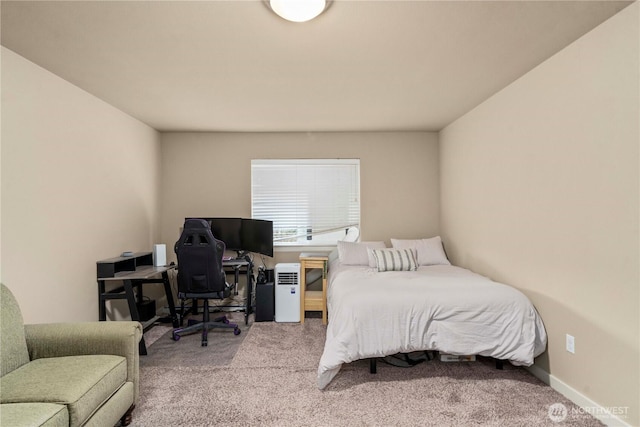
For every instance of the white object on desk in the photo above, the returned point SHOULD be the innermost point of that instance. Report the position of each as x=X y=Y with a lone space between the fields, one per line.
x=159 y=255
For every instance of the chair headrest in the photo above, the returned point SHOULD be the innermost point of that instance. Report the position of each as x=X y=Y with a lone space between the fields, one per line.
x=196 y=223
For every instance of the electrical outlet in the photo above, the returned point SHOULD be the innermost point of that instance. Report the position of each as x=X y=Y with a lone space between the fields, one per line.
x=571 y=344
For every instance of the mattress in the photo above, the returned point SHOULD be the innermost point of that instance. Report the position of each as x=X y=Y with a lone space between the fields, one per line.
x=441 y=307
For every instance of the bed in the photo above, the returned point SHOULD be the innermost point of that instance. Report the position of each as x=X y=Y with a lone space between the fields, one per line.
x=375 y=310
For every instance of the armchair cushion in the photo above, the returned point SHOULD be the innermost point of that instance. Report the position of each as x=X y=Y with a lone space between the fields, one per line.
x=34 y=414
x=83 y=383
x=74 y=339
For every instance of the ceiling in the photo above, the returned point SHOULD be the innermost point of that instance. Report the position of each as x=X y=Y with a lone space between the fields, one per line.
x=235 y=66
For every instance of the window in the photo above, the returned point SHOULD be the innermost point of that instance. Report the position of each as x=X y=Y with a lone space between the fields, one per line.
x=310 y=201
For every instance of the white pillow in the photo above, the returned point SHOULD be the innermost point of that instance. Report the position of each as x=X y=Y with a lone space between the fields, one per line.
x=430 y=251
x=395 y=259
x=352 y=253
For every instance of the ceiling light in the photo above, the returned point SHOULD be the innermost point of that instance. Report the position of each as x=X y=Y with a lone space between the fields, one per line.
x=298 y=10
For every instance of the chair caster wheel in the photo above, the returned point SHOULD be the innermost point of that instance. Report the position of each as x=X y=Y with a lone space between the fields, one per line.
x=175 y=337
x=204 y=343
x=225 y=320
x=236 y=331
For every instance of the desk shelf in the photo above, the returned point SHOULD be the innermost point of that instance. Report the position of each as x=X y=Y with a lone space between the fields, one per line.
x=314 y=301
x=112 y=266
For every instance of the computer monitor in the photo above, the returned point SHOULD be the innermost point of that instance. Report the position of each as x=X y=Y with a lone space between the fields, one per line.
x=227 y=230
x=257 y=236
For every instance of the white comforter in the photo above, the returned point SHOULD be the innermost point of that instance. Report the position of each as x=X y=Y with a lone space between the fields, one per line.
x=443 y=308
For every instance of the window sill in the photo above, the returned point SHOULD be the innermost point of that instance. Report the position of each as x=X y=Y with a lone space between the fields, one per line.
x=304 y=248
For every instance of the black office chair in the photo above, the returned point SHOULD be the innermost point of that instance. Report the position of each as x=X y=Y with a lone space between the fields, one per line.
x=201 y=276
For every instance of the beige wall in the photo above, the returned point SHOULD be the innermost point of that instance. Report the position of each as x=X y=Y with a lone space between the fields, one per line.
x=79 y=184
x=209 y=174
x=540 y=190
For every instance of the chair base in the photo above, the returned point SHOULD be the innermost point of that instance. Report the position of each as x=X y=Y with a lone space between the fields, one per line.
x=204 y=326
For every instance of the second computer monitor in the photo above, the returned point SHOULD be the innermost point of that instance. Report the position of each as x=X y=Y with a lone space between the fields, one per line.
x=257 y=236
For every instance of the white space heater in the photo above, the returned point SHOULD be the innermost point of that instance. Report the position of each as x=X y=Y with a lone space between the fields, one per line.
x=287 y=292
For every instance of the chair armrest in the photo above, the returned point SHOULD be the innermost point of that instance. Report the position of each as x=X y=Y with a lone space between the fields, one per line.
x=87 y=338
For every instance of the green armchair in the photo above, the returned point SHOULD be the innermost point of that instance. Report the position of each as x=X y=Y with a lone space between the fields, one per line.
x=66 y=374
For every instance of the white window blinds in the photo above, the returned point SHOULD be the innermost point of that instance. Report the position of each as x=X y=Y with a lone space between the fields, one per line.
x=310 y=201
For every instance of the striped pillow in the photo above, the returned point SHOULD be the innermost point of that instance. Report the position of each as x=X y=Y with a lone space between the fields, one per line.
x=395 y=259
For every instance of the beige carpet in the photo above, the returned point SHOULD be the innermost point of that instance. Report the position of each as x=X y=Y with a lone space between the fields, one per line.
x=222 y=345
x=271 y=381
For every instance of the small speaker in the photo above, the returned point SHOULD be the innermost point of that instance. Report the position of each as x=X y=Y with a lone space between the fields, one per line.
x=159 y=255
x=265 y=310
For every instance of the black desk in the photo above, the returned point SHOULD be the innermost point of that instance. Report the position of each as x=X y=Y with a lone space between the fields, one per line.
x=133 y=272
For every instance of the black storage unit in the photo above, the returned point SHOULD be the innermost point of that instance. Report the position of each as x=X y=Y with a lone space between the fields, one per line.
x=269 y=273
x=265 y=307
x=146 y=309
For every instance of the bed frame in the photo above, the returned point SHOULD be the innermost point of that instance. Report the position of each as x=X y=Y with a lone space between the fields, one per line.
x=373 y=365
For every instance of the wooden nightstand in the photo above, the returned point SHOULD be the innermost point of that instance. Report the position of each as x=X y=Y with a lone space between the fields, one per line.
x=313 y=300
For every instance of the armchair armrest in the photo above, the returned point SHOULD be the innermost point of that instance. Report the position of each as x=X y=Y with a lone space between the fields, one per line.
x=87 y=338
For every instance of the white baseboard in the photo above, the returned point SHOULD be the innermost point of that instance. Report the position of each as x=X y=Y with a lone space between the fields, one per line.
x=595 y=409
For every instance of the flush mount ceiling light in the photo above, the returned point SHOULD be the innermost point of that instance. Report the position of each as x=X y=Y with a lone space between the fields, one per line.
x=298 y=10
